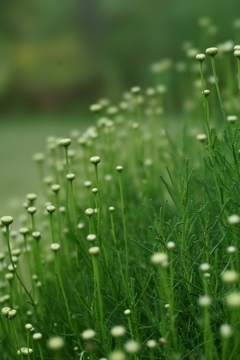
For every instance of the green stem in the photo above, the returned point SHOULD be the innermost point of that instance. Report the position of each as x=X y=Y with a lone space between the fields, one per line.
x=124 y=225
x=217 y=88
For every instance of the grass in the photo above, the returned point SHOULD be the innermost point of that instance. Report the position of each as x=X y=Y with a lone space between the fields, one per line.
x=146 y=264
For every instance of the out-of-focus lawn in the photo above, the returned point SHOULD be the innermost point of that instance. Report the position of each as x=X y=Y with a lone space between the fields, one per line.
x=19 y=140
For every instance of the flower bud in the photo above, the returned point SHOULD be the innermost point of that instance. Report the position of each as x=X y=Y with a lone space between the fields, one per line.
x=88 y=334
x=89 y=212
x=55 y=343
x=37 y=336
x=117 y=331
x=55 y=247
x=50 y=209
x=36 y=235
x=95 y=160
x=70 y=177
x=65 y=142
x=31 y=210
x=91 y=237
x=6 y=220
x=95 y=250
x=212 y=51
x=24 y=230
x=55 y=188
x=200 y=57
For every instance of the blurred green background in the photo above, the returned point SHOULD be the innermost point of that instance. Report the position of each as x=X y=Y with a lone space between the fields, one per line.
x=60 y=56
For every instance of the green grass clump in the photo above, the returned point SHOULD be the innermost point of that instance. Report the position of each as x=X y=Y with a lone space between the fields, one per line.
x=130 y=248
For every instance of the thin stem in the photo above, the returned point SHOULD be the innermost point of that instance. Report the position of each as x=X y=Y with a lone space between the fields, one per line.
x=124 y=225
x=217 y=88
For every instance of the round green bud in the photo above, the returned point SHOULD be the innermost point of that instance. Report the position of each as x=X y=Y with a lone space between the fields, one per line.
x=95 y=250
x=234 y=219
x=82 y=141
x=117 y=331
x=91 y=237
x=95 y=160
x=70 y=177
x=117 y=355
x=127 y=312
x=151 y=344
x=55 y=188
x=50 y=209
x=5 y=311
x=237 y=53
x=9 y=276
x=15 y=252
x=39 y=157
x=232 y=118
x=24 y=231
x=204 y=301
x=31 y=210
x=88 y=334
x=11 y=314
x=201 y=137
x=111 y=208
x=89 y=212
x=55 y=247
x=36 y=235
x=119 y=168
x=159 y=258
x=94 y=190
x=212 y=51
x=206 y=93
x=6 y=220
x=226 y=331
x=87 y=183
x=31 y=197
x=55 y=343
x=200 y=57
x=26 y=351
x=37 y=336
x=95 y=108
x=135 y=90
x=28 y=326
x=65 y=142
x=131 y=346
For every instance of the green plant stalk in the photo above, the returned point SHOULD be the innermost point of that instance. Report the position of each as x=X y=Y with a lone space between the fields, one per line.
x=73 y=208
x=117 y=249
x=90 y=224
x=124 y=226
x=16 y=338
x=39 y=263
x=217 y=88
x=52 y=227
x=98 y=289
x=208 y=340
x=238 y=60
x=62 y=290
x=98 y=202
x=171 y=302
x=28 y=255
x=16 y=273
x=211 y=147
x=40 y=351
x=28 y=343
x=32 y=222
x=66 y=157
